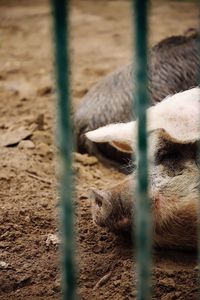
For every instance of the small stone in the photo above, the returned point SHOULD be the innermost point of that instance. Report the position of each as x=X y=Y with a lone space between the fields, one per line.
x=27 y=144
x=45 y=204
x=97 y=249
x=83 y=197
x=168 y=282
x=85 y=159
x=3 y=265
x=52 y=239
x=56 y=286
x=14 y=136
x=116 y=283
x=27 y=219
x=24 y=280
x=46 y=90
x=43 y=149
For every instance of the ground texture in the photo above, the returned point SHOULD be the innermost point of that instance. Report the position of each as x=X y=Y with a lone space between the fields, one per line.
x=29 y=201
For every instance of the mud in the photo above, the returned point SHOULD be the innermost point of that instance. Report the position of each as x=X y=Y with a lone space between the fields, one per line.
x=101 y=40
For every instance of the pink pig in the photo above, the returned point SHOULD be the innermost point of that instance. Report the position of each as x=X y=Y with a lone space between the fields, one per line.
x=173 y=134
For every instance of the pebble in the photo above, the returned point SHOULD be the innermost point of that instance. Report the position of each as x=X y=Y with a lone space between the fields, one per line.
x=116 y=283
x=56 y=286
x=46 y=90
x=168 y=282
x=3 y=265
x=27 y=144
x=85 y=159
x=52 y=239
x=196 y=268
x=27 y=219
x=97 y=249
x=43 y=149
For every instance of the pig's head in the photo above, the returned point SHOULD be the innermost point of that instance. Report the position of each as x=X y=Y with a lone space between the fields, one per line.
x=112 y=208
x=173 y=134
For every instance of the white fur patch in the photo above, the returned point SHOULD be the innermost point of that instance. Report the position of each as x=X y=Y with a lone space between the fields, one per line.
x=113 y=132
x=178 y=116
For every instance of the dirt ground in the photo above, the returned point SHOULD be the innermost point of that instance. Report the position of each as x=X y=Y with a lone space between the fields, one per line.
x=29 y=255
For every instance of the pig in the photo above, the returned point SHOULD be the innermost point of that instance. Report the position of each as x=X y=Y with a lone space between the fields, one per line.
x=173 y=129
x=174 y=67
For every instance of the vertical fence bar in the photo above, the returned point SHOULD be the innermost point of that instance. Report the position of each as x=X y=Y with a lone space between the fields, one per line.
x=198 y=229
x=61 y=28
x=143 y=220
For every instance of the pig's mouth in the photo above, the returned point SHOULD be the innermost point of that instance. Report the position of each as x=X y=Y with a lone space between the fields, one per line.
x=124 y=224
x=121 y=224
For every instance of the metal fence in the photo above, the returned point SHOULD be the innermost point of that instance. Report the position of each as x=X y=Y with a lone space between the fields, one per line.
x=143 y=222
x=143 y=218
x=65 y=143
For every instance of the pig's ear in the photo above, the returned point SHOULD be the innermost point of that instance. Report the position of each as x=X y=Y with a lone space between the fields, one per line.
x=120 y=136
x=177 y=117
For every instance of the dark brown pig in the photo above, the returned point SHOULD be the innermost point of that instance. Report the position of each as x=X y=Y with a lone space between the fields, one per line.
x=174 y=178
x=174 y=67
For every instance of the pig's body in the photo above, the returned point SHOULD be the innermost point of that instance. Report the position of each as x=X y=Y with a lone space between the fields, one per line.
x=174 y=178
x=174 y=67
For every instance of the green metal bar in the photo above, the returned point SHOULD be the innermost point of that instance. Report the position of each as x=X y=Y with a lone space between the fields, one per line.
x=198 y=229
x=143 y=220
x=61 y=28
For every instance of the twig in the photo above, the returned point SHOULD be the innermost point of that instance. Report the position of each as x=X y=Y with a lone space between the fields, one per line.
x=103 y=280
x=39 y=178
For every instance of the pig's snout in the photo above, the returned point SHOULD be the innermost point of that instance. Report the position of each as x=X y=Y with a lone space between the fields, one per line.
x=112 y=208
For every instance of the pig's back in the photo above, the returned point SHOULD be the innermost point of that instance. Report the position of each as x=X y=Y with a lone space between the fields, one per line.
x=174 y=67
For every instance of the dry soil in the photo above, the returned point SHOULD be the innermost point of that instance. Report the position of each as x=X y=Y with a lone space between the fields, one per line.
x=101 y=40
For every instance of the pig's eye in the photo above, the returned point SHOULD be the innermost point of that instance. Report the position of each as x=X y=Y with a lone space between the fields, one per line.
x=164 y=156
x=172 y=163
x=174 y=156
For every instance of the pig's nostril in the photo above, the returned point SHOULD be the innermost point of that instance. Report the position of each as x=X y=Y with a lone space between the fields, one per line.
x=124 y=223
x=98 y=202
x=97 y=196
